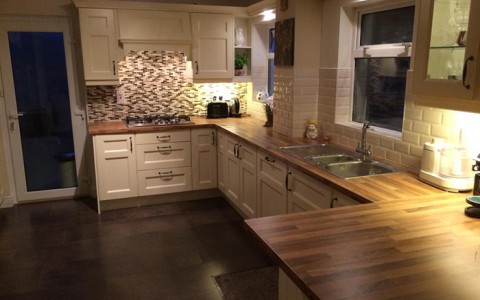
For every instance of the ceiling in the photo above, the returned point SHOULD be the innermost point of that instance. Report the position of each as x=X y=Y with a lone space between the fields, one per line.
x=241 y=3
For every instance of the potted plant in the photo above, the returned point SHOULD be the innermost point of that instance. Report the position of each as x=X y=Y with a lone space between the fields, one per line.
x=241 y=62
x=268 y=114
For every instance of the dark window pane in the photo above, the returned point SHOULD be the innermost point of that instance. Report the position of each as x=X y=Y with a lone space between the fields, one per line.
x=387 y=27
x=271 y=68
x=379 y=91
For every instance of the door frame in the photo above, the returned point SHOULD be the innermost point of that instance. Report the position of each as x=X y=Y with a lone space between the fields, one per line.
x=77 y=108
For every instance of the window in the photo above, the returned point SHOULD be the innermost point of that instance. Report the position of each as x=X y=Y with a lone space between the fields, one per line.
x=271 y=66
x=381 y=59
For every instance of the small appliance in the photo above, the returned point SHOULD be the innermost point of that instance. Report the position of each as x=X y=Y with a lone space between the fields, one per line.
x=235 y=108
x=447 y=167
x=217 y=110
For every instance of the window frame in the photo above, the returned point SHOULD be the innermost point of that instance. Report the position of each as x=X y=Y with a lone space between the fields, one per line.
x=377 y=50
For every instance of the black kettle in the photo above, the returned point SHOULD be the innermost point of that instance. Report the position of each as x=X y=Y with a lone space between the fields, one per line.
x=235 y=108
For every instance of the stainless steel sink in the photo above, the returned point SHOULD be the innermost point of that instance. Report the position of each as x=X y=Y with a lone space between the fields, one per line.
x=328 y=159
x=336 y=161
x=358 y=168
x=313 y=150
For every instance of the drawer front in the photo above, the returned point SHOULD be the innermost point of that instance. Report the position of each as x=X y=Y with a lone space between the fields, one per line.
x=163 y=137
x=167 y=155
x=164 y=181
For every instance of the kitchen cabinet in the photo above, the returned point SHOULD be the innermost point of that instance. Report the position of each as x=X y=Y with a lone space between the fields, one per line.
x=306 y=193
x=221 y=161
x=340 y=199
x=164 y=162
x=99 y=46
x=115 y=166
x=287 y=289
x=204 y=158
x=271 y=190
x=154 y=25
x=212 y=45
x=240 y=175
x=447 y=50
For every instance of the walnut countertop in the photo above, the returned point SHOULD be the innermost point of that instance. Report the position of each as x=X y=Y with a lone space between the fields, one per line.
x=413 y=241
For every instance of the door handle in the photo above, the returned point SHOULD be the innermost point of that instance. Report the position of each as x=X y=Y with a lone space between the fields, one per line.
x=78 y=113
x=286 y=182
x=14 y=116
x=333 y=200
x=235 y=150
x=238 y=151
x=196 y=67
x=213 y=138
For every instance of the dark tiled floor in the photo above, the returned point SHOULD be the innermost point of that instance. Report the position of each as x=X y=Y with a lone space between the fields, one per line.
x=65 y=250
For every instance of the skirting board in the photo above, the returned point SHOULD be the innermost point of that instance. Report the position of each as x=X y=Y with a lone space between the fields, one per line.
x=7 y=202
x=158 y=199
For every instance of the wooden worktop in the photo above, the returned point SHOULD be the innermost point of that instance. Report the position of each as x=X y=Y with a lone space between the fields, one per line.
x=421 y=249
x=413 y=241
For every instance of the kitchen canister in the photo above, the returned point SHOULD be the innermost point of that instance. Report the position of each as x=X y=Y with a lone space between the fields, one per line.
x=476 y=185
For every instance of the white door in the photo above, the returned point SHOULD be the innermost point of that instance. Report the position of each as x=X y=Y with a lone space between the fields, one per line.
x=42 y=119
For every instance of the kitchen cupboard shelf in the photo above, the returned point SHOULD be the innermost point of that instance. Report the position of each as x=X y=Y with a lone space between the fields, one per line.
x=447 y=47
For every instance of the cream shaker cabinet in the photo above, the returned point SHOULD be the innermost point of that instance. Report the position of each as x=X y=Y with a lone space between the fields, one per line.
x=447 y=50
x=115 y=166
x=212 y=45
x=237 y=170
x=271 y=189
x=99 y=46
x=287 y=289
x=306 y=193
x=221 y=161
x=204 y=158
x=164 y=162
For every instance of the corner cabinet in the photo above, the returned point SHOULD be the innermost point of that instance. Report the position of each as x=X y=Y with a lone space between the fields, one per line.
x=212 y=45
x=115 y=166
x=204 y=158
x=99 y=46
x=447 y=50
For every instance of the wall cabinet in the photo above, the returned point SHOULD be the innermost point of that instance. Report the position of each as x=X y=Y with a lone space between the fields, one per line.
x=204 y=158
x=446 y=62
x=271 y=190
x=115 y=166
x=99 y=46
x=212 y=45
x=164 y=162
x=238 y=173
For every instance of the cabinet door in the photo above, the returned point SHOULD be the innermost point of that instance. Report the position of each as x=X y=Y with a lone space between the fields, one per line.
x=306 y=193
x=446 y=64
x=204 y=159
x=340 y=199
x=212 y=45
x=222 y=161
x=232 y=171
x=99 y=44
x=287 y=289
x=271 y=189
x=248 y=180
x=115 y=166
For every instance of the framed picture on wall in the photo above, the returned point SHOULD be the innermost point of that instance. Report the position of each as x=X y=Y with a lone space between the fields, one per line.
x=284 y=42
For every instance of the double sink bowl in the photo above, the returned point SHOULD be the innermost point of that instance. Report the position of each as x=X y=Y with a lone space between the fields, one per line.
x=338 y=162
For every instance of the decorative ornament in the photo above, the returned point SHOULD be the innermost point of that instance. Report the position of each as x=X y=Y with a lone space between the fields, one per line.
x=311 y=132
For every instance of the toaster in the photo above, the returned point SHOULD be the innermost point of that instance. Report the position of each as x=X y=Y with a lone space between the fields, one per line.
x=217 y=110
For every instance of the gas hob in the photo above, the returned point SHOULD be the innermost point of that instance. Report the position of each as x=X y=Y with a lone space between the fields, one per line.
x=157 y=120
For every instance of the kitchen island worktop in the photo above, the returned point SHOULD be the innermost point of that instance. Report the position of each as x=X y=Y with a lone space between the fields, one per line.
x=409 y=240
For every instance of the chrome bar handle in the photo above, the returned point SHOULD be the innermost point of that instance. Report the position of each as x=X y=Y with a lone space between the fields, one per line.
x=465 y=70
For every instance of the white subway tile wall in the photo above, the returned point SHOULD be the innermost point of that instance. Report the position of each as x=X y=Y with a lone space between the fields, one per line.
x=421 y=124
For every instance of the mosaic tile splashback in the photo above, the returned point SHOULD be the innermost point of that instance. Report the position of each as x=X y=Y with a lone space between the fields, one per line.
x=155 y=83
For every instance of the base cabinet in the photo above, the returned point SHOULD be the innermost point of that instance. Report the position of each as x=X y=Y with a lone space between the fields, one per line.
x=164 y=162
x=238 y=173
x=204 y=158
x=287 y=289
x=115 y=166
x=306 y=193
x=271 y=191
x=340 y=199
